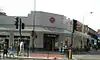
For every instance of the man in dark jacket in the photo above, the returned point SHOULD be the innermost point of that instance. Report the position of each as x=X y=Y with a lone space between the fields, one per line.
x=18 y=49
x=5 y=52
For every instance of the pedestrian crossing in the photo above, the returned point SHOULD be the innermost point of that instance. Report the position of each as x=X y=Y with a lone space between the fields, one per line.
x=47 y=55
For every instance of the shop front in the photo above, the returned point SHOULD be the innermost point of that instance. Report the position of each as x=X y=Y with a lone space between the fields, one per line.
x=80 y=41
x=48 y=39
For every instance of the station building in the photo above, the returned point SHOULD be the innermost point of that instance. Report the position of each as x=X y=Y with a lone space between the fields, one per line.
x=50 y=30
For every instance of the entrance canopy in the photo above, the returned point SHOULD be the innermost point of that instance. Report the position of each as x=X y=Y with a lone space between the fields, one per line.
x=81 y=34
x=27 y=32
x=53 y=30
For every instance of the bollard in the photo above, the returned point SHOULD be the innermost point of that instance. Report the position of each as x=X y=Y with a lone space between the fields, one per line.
x=70 y=54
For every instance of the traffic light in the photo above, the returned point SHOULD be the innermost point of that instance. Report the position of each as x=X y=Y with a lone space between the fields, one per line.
x=16 y=22
x=74 y=25
x=23 y=25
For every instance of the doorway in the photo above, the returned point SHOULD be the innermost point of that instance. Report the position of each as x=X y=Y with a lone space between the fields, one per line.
x=7 y=43
x=49 y=41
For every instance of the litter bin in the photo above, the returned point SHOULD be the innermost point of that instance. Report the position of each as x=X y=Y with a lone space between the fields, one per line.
x=70 y=54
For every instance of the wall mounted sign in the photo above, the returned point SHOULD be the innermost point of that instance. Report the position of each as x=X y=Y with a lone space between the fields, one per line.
x=52 y=19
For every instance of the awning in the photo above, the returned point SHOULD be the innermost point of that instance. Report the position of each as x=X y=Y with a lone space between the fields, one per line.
x=27 y=32
x=50 y=30
x=4 y=33
x=23 y=34
x=2 y=28
x=67 y=32
x=81 y=34
x=15 y=33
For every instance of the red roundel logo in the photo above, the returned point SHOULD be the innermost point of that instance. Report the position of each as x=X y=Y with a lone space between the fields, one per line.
x=52 y=19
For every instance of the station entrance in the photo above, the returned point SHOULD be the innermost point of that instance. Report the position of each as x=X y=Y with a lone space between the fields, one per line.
x=49 y=41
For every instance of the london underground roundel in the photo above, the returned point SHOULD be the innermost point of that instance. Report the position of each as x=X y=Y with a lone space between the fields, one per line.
x=52 y=19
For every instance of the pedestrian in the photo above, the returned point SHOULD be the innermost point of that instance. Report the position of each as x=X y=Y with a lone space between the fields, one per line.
x=90 y=47
x=18 y=49
x=5 y=51
x=27 y=51
x=21 y=47
x=67 y=53
x=11 y=51
x=61 y=47
x=96 y=48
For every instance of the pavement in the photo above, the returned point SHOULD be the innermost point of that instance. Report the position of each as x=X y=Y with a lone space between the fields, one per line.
x=39 y=56
x=91 y=55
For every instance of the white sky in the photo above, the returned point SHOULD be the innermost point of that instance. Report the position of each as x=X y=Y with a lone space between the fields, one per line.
x=74 y=9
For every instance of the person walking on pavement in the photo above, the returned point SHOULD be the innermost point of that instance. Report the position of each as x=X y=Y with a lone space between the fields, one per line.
x=60 y=47
x=5 y=51
x=11 y=51
x=0 y=49
x=96 y=48
x=21 y=47
x=18 y=49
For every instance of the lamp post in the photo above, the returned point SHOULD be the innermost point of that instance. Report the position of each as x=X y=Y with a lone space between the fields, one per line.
x=33 y=32
x=31 y=43
x=83 y=30
x=82 y=43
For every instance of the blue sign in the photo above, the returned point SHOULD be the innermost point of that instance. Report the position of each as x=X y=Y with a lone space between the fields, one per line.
x=95 y=42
